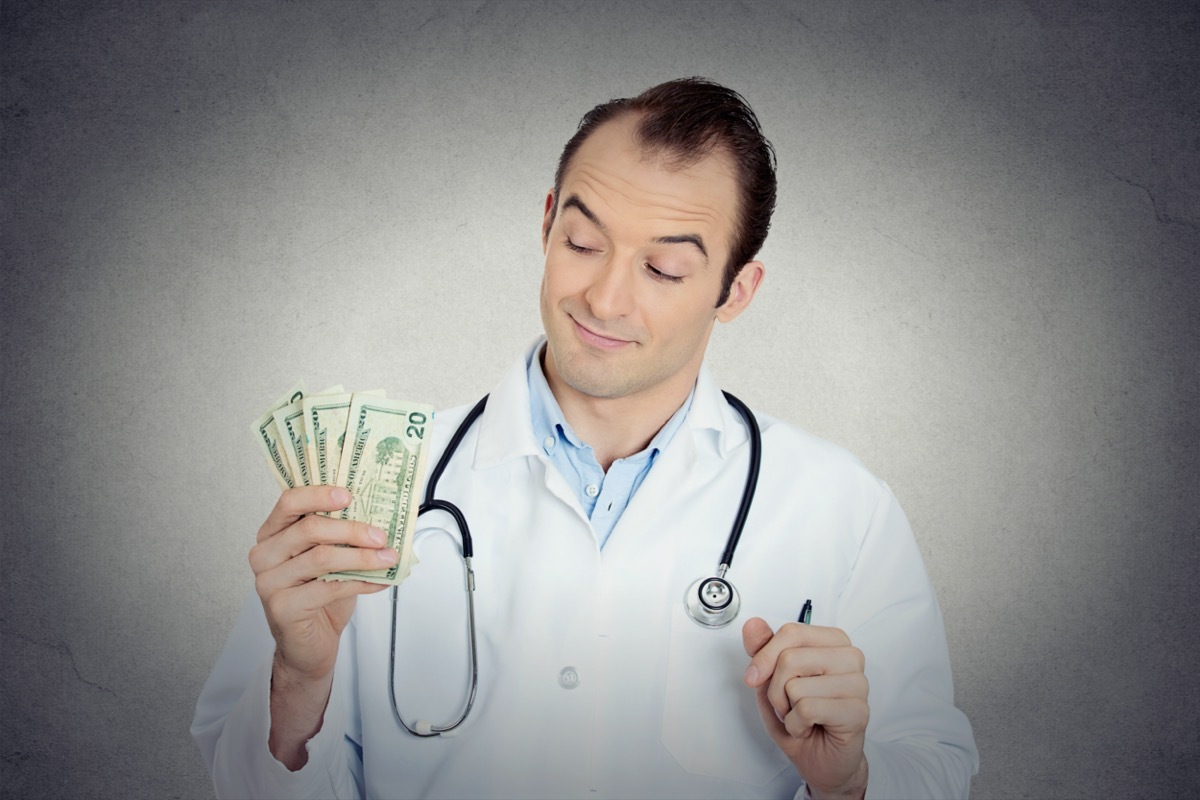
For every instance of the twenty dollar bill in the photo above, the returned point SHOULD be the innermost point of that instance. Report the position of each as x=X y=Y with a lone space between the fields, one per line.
x=383 y=466
x=325 y=418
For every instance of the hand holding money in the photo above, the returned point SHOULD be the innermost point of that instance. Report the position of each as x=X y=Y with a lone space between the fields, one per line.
x=351 y=467
x=374 y=447
x=295 y=546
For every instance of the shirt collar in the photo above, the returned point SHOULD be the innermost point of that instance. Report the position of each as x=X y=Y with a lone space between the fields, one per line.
x=548 y=420
x=545 y=413
x=506 y=428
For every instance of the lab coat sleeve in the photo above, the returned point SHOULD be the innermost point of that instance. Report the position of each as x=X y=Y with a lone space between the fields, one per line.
x=233 y=720
x=917 y=743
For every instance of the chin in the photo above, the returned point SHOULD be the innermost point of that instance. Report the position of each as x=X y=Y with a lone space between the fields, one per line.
x=592 y=383
x=593 y=380
x=590 y=374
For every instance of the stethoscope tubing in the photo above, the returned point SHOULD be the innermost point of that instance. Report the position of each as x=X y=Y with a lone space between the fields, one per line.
x=739 y=521
x=424 y=728
x=698 y=607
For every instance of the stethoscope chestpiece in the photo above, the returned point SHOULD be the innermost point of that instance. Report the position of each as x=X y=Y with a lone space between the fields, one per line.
x=712 y=602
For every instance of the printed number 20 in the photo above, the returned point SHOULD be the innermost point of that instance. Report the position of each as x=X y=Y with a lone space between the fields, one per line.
x=416 y=428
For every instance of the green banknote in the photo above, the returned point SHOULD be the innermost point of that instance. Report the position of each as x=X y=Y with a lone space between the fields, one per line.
x=289 y=421
x=325 y=418
x=383 y=466
x=270 y=440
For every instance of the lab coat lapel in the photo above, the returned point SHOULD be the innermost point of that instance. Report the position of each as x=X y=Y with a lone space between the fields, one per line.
x=506 y=428
x=506 y=431
x=711 y=429
x=692 y=456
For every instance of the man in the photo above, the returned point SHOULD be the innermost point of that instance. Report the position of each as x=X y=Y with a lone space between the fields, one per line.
x=600 y=482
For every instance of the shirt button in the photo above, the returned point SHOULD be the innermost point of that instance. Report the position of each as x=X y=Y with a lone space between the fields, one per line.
x=568 y=678
x=548 y=443
x=592 y=490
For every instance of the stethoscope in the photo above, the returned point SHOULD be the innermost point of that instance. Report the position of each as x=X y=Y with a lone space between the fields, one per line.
x=711 y=601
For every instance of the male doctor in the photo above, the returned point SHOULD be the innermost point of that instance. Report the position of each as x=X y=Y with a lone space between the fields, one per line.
x=600 y=482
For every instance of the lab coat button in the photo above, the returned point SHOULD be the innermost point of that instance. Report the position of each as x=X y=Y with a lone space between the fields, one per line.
x=568 y=678
x=592 y=490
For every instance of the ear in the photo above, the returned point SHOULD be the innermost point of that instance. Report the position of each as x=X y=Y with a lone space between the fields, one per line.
x=547 y=220
x=741 y=291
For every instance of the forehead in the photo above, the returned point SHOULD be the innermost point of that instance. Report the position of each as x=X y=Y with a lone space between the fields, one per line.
x=628 y=186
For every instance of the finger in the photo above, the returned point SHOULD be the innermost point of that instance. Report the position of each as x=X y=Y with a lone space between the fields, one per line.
x=838 y=716
x=755 y=633
x=308 y=532
x=322 y=560
x=300 y=602
x=772 y=720
x=813 y=664
x=295 y=503
x=794 y=690
x=790 y=635
x=805 y=661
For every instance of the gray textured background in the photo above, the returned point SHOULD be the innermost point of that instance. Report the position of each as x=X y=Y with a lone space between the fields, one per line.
x=982 y=279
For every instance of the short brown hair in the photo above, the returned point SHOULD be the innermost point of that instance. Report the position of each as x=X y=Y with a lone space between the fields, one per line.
x=688 y=119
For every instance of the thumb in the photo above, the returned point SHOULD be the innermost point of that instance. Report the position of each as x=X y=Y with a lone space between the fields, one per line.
x=755 y=633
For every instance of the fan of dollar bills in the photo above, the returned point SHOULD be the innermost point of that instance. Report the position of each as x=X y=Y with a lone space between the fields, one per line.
x=374 y=447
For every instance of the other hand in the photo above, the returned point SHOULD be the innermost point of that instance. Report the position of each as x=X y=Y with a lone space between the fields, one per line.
x=812 y=697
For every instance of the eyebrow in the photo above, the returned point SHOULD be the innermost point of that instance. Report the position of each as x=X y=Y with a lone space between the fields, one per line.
x=694 y=239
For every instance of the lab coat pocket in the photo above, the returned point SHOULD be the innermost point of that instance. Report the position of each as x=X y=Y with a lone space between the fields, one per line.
x=710 y=718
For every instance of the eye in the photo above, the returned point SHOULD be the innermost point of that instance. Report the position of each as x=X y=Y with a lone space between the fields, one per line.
x=659 y=275
x=576 y=248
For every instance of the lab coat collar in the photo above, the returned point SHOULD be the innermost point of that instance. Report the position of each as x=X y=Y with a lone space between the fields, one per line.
x=506 y=427
x=713 y=421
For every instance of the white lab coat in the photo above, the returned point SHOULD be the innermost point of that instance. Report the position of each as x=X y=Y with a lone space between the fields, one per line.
x=593 y=682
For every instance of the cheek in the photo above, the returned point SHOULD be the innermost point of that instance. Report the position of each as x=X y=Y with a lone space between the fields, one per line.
x=679 y=323
x=553 y=293
x=559 y=282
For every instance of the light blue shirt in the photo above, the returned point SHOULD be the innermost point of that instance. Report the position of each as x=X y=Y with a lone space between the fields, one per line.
x=603 y=497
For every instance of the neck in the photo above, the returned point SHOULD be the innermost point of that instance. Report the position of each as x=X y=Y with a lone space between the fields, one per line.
x=617 y=427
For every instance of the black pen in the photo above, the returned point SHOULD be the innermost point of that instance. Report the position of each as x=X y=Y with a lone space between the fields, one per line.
x=805 y=613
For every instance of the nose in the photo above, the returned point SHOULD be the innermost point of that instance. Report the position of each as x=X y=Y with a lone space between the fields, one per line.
x=611 y=293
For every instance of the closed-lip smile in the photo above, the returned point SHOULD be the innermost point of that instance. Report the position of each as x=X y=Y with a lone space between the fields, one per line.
x=596 y=339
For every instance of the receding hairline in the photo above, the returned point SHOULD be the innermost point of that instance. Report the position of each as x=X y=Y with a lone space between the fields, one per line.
x=664 y=156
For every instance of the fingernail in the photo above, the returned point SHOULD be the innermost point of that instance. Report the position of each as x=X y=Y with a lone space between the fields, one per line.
x=387 y=555
x=376 y=535
x=340 y=496
x=751 y=676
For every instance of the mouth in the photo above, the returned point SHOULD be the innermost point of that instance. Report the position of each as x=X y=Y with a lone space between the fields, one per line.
x=598 y=340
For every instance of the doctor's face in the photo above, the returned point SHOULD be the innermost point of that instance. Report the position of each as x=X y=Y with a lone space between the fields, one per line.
x=634 y=264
